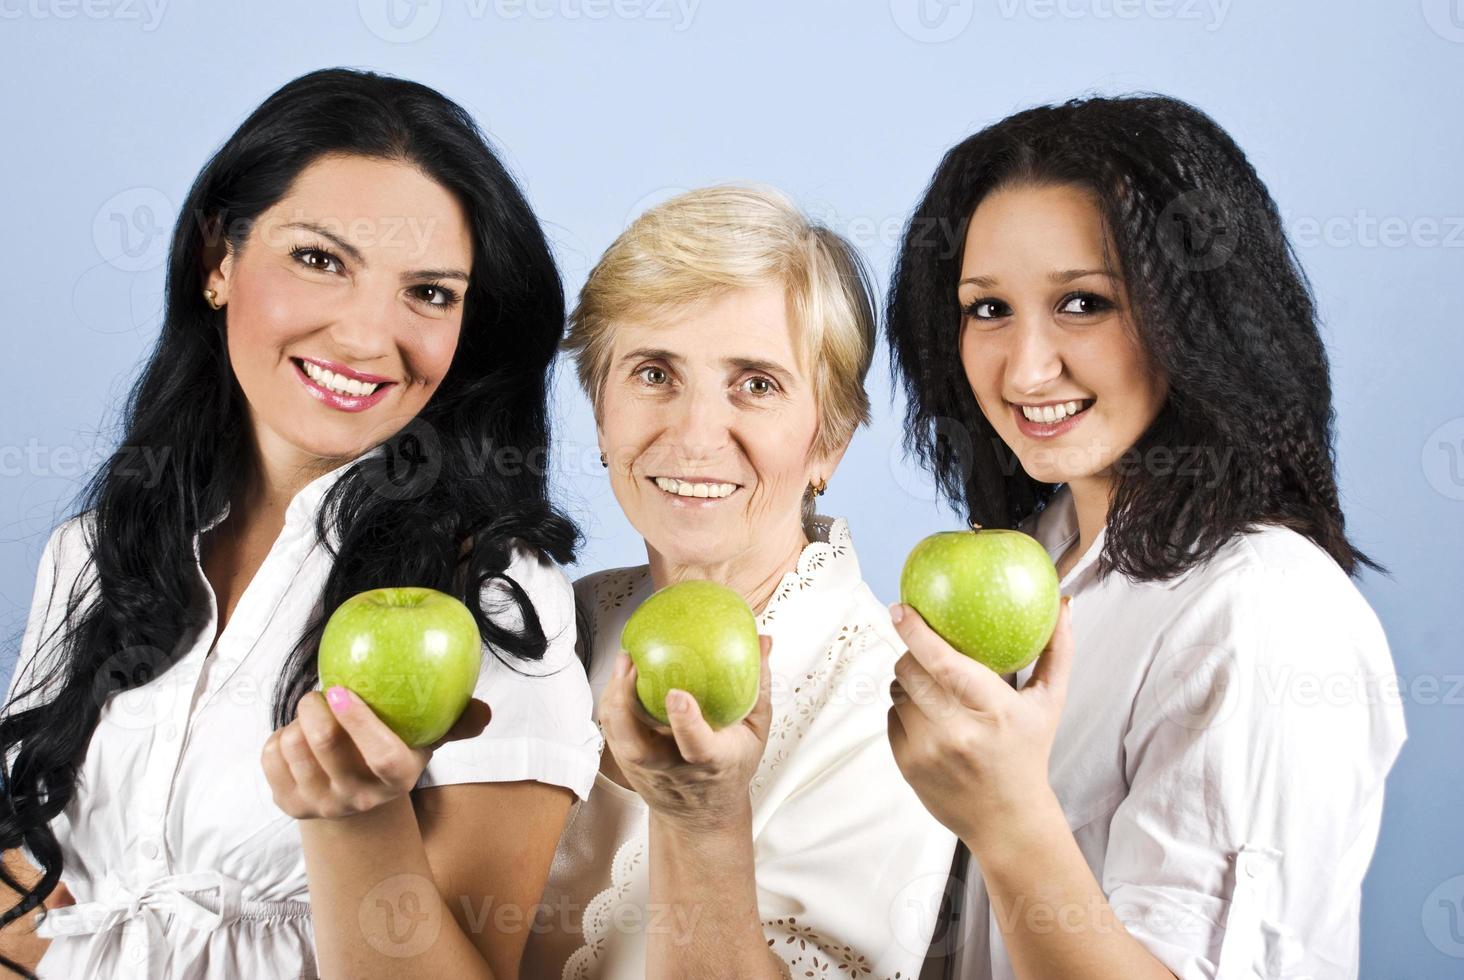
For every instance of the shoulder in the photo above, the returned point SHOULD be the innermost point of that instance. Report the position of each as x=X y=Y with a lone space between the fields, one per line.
x=1273 y=596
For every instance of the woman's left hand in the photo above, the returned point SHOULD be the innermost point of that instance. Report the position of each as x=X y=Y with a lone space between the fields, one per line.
x=974 y=748
x=688 y=774
x=340 y=762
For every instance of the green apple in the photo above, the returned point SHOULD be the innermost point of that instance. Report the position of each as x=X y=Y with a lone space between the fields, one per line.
x=990 y=593
x=701 y=638
x=411 y=653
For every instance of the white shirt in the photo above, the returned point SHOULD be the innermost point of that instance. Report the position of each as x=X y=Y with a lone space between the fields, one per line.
x=1220 y=758
x=173 y=813
x=849 y=865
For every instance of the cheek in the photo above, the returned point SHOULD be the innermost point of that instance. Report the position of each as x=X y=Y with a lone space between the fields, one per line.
x=269 y=309
x=981 y=363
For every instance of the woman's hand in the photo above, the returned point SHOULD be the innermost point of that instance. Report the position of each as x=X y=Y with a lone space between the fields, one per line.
x=340 y=762
x=689 y=775
x=975 y=749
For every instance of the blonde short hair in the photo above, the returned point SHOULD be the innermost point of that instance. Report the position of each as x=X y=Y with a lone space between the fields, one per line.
x=709 y=241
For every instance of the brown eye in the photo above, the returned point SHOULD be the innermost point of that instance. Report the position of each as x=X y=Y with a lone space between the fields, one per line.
x=315 y=258
x=760 y=386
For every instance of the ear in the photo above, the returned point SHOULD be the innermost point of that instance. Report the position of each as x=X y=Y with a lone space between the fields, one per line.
x=218 y=262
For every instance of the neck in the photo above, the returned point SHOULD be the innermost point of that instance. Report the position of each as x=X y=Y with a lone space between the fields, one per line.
x=1091 y=496
x=753 y=574
x=275 y=474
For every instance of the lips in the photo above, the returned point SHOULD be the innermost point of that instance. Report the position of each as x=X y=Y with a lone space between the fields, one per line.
x=337 y=400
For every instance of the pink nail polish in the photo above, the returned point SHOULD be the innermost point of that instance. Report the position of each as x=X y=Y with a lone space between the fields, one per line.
x=897 y=612
x=339 y=697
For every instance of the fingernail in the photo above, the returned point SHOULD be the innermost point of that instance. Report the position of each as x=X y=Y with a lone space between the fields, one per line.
x=339 y=697
x=676 y=701
x=897 y=611
x=620 y=660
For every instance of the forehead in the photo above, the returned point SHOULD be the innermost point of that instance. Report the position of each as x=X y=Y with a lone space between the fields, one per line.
x=379 y=206
x=754 y=322
x=1054 y=224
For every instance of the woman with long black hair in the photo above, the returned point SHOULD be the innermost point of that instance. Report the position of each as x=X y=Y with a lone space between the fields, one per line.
x=348 y=393
x=1121 y=357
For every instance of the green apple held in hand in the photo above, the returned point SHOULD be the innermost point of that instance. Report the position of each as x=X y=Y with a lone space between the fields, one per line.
x=990 y=593
x=412 y=654
x=701 y=638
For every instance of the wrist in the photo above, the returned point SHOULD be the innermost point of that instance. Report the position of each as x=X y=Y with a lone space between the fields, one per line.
x=711 y=829
x=1010 y=833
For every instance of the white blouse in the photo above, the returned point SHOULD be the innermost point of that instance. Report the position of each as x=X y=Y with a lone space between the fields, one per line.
x=849 y=865
x=1220 y=758
x=181 y=863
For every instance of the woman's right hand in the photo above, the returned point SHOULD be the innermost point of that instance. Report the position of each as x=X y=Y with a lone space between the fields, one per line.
x=689 y=775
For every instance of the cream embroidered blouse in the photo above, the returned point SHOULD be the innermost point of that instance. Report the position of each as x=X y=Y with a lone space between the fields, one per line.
x=850 y=866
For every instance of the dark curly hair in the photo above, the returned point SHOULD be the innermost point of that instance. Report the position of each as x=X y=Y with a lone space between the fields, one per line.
x=425 y=510
x=1219 y=301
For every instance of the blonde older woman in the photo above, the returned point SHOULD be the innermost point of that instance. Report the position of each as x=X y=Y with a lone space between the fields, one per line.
x=724 y=340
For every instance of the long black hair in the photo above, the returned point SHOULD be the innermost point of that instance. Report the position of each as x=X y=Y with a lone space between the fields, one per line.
x=425 y=509
x=1220 y=303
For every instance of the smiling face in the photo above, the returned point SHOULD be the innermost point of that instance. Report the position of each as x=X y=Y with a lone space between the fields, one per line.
x=344 y=306
x=708 y=422
x=1047 y=342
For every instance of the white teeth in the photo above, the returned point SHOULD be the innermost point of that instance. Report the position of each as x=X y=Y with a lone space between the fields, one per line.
x=1048 y=414
x=335 y=382
x=682 y=489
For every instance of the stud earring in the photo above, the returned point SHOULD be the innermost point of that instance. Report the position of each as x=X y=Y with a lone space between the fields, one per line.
x=604 y=462
x=819 y=487
x=213 y=299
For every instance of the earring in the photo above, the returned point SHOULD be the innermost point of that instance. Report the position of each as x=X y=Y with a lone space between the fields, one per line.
x=604 y=462
x=213 y=299
x=819 y=487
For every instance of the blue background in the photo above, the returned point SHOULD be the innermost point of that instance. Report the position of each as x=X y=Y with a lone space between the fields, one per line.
x=1351 y=112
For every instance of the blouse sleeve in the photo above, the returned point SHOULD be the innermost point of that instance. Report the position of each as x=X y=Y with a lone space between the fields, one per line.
x=543 y=716
x=850 y=865
x=1256 y=757
x=47 y=607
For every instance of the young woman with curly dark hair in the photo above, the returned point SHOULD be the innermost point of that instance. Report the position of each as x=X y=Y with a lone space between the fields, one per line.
x=1121 y=357
x=362 y=311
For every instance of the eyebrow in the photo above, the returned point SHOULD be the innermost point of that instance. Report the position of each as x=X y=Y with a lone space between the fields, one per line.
x=1059 y=277
x=354 y=254
x=741 y=363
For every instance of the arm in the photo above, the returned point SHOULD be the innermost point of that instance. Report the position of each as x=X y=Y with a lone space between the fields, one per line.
x=976 y=751
x=18 y=940
x=695 y=781
x=427 y=889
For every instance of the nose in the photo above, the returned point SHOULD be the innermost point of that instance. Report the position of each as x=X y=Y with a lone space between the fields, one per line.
x=698 y=424
x=365 y=328
x=1033 y=359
